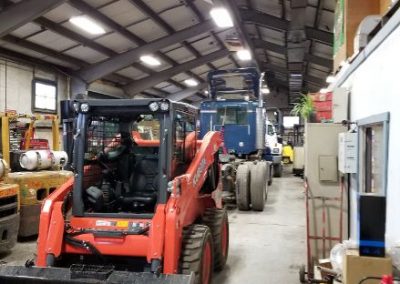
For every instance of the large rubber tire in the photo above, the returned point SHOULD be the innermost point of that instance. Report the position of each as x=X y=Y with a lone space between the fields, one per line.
x=243 y=187
x=258 y=186
x=271 y=174
x=302 y=274
x=278 y=169
x=197 y=253
x=217 y=221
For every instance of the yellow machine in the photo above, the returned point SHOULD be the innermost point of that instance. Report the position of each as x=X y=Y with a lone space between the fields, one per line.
x=34 y=186
x=9 y=211
x=8 y=118
x=287 y=154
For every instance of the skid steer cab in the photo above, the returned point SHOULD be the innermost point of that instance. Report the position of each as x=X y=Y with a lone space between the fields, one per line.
x=141 y=207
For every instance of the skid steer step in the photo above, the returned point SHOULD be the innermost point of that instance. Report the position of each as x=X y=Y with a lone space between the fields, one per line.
x=20 y=274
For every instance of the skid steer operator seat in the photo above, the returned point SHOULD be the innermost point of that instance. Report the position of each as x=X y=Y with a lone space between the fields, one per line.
x=143 y=184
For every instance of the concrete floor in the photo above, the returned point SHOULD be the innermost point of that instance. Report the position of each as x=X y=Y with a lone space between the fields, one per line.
x=269 y=246
x=265 y=247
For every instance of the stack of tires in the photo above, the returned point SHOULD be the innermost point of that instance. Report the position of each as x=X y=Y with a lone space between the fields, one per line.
x=251 y=185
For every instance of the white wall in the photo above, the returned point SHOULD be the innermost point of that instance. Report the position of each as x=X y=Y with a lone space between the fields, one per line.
x=375 y=89
x=16 y=90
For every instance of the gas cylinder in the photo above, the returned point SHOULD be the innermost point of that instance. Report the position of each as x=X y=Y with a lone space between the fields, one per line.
x=37 y=160
x=3 y=168
x=60 y=159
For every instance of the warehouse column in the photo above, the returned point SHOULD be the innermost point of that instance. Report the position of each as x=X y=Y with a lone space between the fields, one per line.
x=78 y=88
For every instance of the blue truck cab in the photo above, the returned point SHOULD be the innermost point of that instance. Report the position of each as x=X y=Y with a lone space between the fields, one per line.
x=236 y=108
x=235 y=119
x=232 y=109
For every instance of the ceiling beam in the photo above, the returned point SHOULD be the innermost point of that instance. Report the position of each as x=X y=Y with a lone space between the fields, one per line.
x=319 y=35
x=89 y=43
x=115 y=78
x=103 y=19
x=232 y=6
x=314 y=80
x=262 y=44
x=277 y=23
x=18 y=57
x=24 y=12
x=264 y=19
x=145 y=9
x=122 y=60
x=322 y=61
x=275 y=68
x=318 y=60
x=59 y=29
x=145 y=83
x=186 y=93
x=44 y=50
x=98 y=16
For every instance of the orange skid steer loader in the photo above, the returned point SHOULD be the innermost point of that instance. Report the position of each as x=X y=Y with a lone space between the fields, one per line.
x=142 y=206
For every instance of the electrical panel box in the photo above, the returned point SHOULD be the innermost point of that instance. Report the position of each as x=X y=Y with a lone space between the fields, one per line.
x=348 y=153
x=328 y=168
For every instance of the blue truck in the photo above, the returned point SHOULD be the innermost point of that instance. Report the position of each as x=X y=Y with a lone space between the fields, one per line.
x=236 y=108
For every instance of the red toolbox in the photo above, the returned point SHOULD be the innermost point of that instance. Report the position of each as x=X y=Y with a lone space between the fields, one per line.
x=323 y=115
x=322 y=105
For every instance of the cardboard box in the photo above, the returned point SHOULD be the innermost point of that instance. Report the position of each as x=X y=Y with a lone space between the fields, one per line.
x=385 y=6
x=356 y=267
x=348 y=16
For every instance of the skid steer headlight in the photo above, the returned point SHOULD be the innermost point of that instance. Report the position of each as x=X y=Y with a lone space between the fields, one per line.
x=164 y=106
x=85 y=107
x=153 y=106
x=76 y=107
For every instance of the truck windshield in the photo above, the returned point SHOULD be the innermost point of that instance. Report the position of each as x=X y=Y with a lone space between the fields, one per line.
x=270 y=130
x=232 y=115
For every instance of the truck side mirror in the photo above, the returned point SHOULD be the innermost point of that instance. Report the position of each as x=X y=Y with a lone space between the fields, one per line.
x=280 y=140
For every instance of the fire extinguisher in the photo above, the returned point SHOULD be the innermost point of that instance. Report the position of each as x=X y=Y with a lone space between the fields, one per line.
x=387 y=279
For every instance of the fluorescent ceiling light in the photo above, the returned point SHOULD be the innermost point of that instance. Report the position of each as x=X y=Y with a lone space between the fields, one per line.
x=243 y=54
x=191 y=82
x=150 y=60
x=265 y=91
x=323 y=90
x=221 y=17
x=87 y=24
x=330 y=79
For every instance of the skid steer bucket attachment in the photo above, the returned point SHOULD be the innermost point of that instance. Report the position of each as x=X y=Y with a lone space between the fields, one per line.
x=83 y=274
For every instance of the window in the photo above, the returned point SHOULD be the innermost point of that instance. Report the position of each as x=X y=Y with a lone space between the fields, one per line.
x=373 y=136
x=148 y=127
x=270 y=130
x=184 y=141
x=44 y=96
x=290 y=121
x=232 y=115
